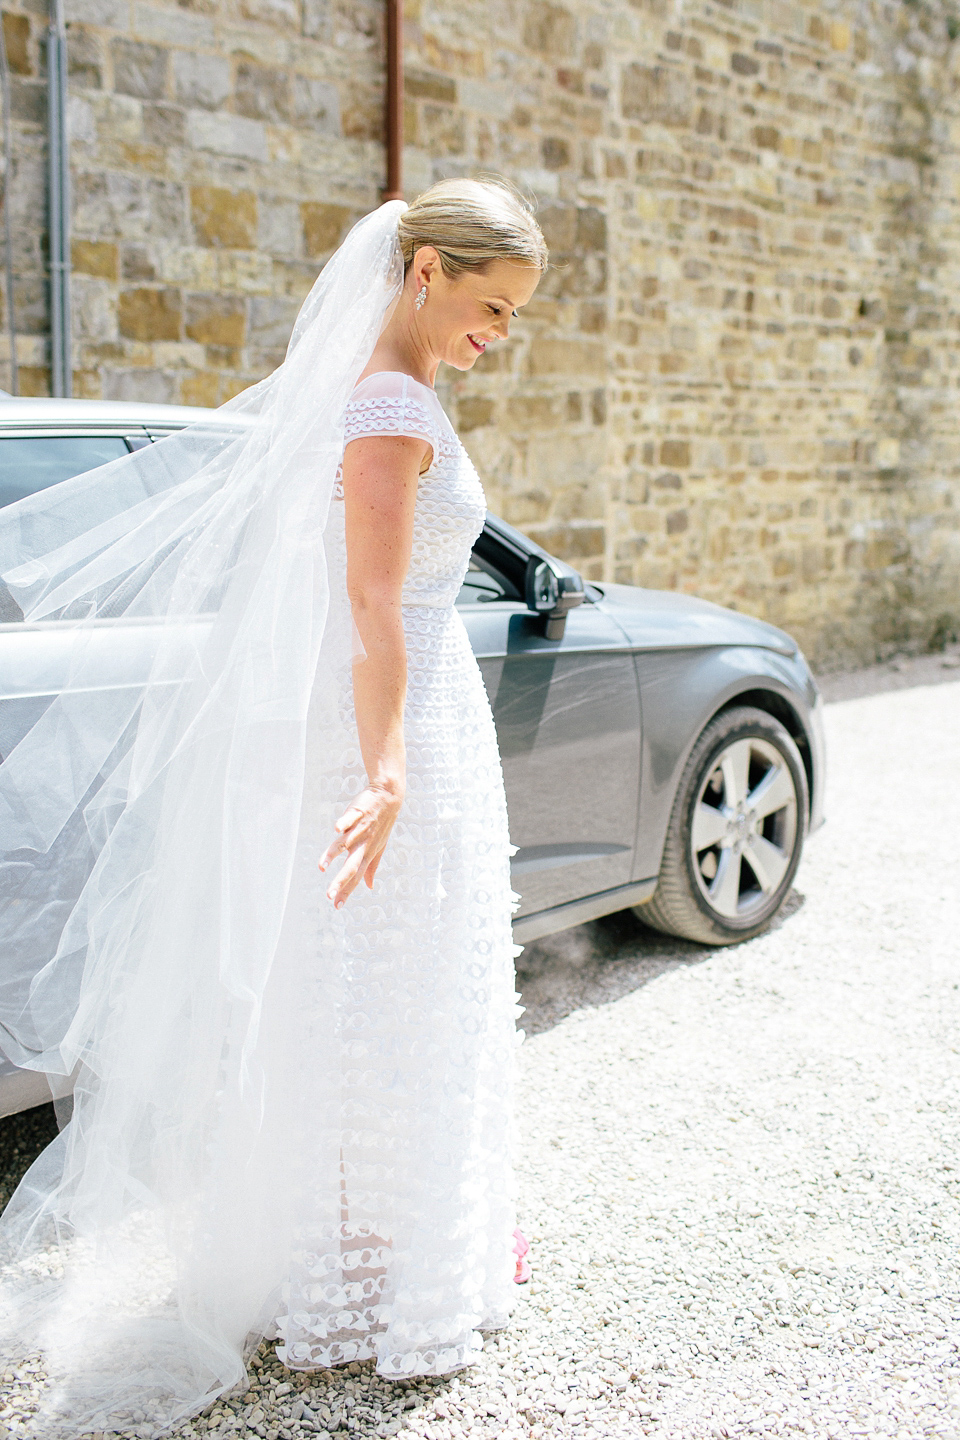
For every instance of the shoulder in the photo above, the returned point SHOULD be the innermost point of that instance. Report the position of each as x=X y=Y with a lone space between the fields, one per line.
x=391 y=403
x=396 y=387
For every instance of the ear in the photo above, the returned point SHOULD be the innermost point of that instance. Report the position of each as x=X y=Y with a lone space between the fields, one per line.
x=426 y=265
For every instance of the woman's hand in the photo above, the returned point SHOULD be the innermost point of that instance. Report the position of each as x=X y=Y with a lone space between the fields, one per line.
x=362 y=834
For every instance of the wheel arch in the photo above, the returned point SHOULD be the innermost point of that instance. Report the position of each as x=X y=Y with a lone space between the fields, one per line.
x=682 y=691
x=778 y=706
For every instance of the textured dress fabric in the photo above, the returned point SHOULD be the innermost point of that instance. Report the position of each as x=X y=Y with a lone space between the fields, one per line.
x=402 y=1229
x=287 y=1120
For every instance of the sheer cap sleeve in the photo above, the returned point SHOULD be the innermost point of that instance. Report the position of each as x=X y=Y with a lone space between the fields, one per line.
x=391 y=403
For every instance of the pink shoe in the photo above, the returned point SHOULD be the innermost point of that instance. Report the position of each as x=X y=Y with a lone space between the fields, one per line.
x=521 y=1248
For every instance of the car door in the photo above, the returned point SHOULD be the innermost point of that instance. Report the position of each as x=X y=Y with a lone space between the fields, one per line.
x=34 y=458
x=568 y=721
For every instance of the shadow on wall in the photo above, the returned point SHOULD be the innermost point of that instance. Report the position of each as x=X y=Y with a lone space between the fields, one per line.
x=602 y=961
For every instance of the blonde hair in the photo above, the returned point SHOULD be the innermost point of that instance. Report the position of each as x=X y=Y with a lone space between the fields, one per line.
x=470 y=224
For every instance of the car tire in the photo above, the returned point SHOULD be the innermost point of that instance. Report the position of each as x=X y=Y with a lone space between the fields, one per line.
x=736 y=832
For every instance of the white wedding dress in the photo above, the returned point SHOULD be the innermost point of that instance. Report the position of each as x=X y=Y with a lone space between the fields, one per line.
x=287 y=1120
x=403 y=1232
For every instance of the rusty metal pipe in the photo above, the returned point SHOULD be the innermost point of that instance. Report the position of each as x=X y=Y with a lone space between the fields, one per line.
x=394 y=189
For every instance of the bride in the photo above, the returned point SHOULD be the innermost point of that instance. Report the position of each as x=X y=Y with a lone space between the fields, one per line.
x=256 y=865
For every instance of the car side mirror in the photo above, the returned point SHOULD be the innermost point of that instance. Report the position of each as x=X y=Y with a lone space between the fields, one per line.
x=552 y=589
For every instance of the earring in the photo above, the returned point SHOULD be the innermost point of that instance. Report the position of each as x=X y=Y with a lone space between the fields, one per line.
x=421 y=299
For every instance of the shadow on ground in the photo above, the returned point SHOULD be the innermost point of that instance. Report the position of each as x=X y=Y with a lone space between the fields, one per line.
x=22 y=1137
x=602 y=961
x=580 y=968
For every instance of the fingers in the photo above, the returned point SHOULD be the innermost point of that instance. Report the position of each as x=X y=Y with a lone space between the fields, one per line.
x=371 y=870
x=363 y=830
x=347 y=878
x=346 y=839
x=348 y=819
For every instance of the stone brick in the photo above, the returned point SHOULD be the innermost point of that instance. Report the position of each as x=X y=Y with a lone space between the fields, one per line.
x=536 y=412
x=656 y=95
x=279 y=231
x=200 y=79
x=200 y=387
x=95 y=257
x=573 y=542
x=34 y=380
x=271 y=321
x=86 y=58
x=281 y=13
x=28 y=101
x=151 y=385
x=247 y=272
x=140 y=69
x=323 y=226
x=675 y=452
x=316 y=103
x=555 y=356
x=138 y=262
x=549 y=30
x=362 y=114
x=474 y=411
x=110 y=14
x=167 y=204
x=224 y=218
x=174 y=25
x=215 y=319
x=149 y=315
x=443 y=128
x=263 y=93
x=93 y=311
x=16 y=38
x=234 y=135
x=555 y=152
x=420 y=85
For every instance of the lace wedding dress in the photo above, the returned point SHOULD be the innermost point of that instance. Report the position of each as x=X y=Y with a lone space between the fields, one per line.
x=287 y=1120
x=404 y=1245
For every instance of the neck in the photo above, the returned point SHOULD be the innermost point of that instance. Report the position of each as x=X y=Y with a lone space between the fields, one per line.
x=402 y=346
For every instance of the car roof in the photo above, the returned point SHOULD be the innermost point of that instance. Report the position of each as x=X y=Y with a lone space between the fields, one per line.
x=41 y=411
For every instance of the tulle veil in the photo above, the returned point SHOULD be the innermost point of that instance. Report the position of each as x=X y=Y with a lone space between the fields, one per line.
x=179 y=601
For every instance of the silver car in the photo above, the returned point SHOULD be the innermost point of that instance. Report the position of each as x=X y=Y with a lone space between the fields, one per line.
x=659 y=751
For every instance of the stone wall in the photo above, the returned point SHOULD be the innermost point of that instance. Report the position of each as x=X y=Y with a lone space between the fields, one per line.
x=739 y=378
x=218 y=153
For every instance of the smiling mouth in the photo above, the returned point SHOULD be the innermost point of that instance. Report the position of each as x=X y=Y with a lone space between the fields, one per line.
x=478 y=345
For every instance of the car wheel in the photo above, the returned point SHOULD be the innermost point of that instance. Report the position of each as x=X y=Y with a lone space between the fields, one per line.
x=736 y=832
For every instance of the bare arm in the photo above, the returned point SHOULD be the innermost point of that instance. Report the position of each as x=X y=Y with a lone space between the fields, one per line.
x=380 y=489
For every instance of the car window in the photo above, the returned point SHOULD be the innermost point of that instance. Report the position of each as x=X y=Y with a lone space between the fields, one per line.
x=479 y=586
x=35 y=463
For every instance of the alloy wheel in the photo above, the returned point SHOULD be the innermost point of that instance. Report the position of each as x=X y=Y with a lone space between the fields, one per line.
x=743 y=829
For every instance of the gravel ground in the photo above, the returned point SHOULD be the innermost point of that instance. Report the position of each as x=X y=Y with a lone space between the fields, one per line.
x=740 y=1170
x=903 y=672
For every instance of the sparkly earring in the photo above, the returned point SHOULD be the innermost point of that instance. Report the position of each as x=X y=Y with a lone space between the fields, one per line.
x=421 y=299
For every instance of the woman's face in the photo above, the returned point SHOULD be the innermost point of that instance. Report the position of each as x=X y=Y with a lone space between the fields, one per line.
x=461 y=317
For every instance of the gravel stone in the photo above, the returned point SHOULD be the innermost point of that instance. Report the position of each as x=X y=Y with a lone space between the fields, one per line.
x=740 y=1168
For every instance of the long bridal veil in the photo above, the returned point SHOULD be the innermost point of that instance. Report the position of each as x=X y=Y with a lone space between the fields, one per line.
x=177 y=604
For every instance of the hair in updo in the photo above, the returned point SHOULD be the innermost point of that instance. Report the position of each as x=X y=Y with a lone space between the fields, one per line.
x=471 y=224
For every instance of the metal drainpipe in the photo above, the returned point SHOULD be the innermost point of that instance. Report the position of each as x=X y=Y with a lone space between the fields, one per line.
x=7 y=223
x=394 y=190
x=58 y=157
